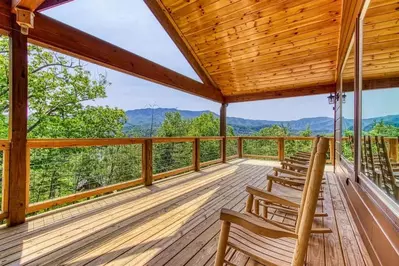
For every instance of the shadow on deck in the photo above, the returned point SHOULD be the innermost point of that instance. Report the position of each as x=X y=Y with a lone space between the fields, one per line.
x=174 y=222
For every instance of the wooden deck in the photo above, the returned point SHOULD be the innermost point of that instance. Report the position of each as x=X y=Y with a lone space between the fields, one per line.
x=174 y=222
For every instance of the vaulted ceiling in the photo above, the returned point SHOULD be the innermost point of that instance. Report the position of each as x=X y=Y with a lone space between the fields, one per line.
x=251 y=46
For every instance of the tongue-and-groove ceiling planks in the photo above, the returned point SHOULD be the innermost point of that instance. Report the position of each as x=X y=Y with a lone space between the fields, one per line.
x=254 y=47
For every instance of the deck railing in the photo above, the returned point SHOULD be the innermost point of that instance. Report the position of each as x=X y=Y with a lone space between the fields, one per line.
x=4 y=163
x=140 y=161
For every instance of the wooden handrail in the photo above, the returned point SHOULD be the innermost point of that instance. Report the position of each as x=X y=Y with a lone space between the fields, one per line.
x=65 y=143
x=147 y=176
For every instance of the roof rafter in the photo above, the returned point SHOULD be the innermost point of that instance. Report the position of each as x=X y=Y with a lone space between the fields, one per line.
x=160 y=12
x=268 y=95
x=60 y=37
x=31 y=5
x=52 y=3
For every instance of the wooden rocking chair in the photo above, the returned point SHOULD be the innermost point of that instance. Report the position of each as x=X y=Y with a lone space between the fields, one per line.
x=279 y=203
x=267 y=243
x=293 y=179
x=390 y=179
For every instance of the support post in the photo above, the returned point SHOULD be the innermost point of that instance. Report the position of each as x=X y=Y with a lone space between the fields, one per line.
x=197 y=155
x=393 y=149
x=332 y=151
x=239 y=144
x=147 y=162
x=281 y=149
x=18 y=125
x=357 y=124
x=223 y=130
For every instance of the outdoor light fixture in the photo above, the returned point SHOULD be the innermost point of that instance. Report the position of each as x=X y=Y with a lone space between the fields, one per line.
x=344 y=98
x=331 y=99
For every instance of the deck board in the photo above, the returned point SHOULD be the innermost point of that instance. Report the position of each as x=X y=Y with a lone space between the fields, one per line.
x=174 y=222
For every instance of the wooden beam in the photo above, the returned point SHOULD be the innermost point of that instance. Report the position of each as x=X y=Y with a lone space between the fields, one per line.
x=351 y=9
x=51 y=4
x=167 y=22
x=223 y=130
x=18 y=125
x=321 y=89
x=60 y=37
x=31 y=5
x=373 y=84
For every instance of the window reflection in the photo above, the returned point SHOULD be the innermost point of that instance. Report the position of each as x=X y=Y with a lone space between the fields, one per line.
x=348 y=108
x=380 y=109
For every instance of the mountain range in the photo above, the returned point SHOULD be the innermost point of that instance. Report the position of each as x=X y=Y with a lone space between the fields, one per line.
x=143 y=118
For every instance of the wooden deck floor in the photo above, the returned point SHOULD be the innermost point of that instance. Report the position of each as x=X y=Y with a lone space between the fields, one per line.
x=174 y=222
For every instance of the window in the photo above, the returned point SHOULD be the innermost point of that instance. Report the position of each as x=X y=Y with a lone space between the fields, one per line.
x=380 y=94
x=347 y=105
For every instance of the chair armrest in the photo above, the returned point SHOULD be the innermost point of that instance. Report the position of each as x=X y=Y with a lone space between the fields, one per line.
x=300 y=158
x=295 y=166
x=287 y=171
x=286 y=181
x=290 y=160
x=255 y=225
x=270 y=197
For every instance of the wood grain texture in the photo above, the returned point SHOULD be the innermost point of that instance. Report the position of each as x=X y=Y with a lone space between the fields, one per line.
x=252 y=46
x=18 y=126
x=174 y=222
x=60 y=37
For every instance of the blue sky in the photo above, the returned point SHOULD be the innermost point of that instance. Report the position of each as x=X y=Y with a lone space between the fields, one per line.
x=134 y=28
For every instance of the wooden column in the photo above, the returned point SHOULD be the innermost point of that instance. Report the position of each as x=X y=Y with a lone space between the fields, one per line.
x=197 y=155
x=239 y=144
x=147 y=162
x=281 y=149
x=332 y=150
x=18 y=125
x=223 y=130
x=357 y=124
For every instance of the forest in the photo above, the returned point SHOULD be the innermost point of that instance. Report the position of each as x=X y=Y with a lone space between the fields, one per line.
x=60 y=92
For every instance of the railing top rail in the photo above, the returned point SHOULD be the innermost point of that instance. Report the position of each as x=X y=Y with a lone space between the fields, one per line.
x=211 y=138
x=61 y=143
x=172 y=139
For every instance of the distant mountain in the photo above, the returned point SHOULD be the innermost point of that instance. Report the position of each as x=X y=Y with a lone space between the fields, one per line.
x=142 y=118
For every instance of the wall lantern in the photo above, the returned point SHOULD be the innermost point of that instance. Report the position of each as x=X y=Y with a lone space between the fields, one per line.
x=331 y=99
x=344 y=98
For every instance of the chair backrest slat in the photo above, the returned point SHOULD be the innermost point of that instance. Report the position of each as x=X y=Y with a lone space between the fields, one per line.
x=309 y=206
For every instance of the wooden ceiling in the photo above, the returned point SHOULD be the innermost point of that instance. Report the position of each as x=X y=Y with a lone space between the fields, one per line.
x=380 y=43
x=250 y=47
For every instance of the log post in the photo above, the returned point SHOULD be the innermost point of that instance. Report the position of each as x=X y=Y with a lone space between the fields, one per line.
x=197 y=155
x=239 y=146
x=393 y=149
x=147 y=162
x=18 y=125
x=223 y=130
x=281 y=151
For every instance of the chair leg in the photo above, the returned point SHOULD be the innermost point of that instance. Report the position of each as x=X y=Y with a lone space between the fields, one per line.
x=224 y=235
x=257 y=207
x=269 y=185
x=250 y=202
